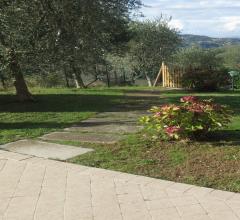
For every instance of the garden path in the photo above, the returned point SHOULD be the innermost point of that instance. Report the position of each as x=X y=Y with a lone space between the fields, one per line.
x=42 y=189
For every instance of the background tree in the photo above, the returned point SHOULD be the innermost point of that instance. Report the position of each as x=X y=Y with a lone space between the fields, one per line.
x=89 y=30
x=18 y=22
x=197 y=57
x=204 y=69
x=153 y=42
x=45 y=34
x=121 y=69
x=231 y=57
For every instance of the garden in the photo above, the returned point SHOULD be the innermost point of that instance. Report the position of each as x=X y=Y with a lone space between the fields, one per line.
x=213 y=160
x=63 y=63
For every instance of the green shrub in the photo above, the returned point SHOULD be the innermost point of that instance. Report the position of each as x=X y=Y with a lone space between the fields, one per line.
x=190 y=119
x=206 y=79
x=237 y=82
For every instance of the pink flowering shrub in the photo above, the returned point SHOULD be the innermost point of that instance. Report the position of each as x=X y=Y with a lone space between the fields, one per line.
x=192 y=118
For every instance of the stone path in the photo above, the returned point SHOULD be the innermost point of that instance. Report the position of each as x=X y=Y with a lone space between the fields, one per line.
x=105 y=128
x=45 y=150
x=33 y=188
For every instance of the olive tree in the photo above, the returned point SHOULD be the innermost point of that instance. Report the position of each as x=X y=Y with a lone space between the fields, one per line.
x=204 y=69
x=153 y=42
x=19 y=22
x=42 y=34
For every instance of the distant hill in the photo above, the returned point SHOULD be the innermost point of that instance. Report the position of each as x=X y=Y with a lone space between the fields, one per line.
x=208 y=42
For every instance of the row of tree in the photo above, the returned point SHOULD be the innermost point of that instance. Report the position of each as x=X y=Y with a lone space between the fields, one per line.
x=50 y=39
x=223 y=57
x=79 y=37
x=47 y=35
x=209 y=69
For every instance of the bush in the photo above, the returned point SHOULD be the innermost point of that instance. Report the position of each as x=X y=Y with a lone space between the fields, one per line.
x=237 y=82
x=206 y=79
x=190 y=119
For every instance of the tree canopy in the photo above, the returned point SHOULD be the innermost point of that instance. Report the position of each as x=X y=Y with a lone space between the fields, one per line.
x=50 y=34
x=153 y=42
x=231 y=57
x=197 y=57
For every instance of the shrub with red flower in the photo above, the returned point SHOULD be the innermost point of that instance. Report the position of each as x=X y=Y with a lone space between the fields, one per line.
x=191 y=118
x=172 y=131
x=189 y=99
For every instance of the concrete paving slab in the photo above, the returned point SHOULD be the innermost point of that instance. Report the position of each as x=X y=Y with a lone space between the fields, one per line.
x=45 y=149
x=112 y=128
x=121 y=114
x=111 y=120
x=59 y=190
x=83 y=137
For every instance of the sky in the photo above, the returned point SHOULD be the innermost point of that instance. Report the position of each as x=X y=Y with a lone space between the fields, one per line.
x=215 y=18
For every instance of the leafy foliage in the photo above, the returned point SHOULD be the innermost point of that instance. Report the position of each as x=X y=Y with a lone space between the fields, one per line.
x=231 y=57
x=51 y=36
x=205 y=79
x=190 y=119
x=204 y=69
x=153 y=42
x=196 y=57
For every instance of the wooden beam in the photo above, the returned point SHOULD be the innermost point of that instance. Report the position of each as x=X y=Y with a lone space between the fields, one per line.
x=163 y=75
x=158 y=76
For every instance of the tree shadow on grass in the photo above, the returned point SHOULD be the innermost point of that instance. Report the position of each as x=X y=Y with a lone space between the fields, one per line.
x=233 y=102
x=79 y=103
x=52 y=125
x=33 y=125
x=59 y=103
x=99 y=103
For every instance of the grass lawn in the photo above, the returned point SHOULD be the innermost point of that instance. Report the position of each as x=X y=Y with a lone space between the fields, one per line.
x=215 y=163
x=55 y=109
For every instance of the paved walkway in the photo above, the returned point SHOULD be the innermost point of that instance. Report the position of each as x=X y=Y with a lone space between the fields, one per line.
x=42 y=189
x=104 y=128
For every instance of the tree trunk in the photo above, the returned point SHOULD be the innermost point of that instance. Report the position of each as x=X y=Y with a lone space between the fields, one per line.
x=116 y=78
x=3 y=81
x=108 y=79
x=148 y=80
x=78 y=78
x=80 y=81
x=76 y=81
x=66 y=77
x=124 y=78
x=22 y=91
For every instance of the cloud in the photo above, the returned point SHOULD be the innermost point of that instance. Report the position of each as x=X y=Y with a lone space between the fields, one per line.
x=217 y=18
x=232 y=23
x=176 y=23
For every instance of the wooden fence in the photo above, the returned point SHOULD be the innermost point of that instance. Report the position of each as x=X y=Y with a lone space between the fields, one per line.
x=171 y=76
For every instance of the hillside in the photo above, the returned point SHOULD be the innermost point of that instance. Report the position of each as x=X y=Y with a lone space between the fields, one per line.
x=208 y=42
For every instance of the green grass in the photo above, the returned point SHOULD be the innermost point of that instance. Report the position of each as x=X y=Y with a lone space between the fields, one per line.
x=215 y=163
x=176 y=156
x=54 y=109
